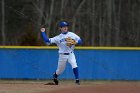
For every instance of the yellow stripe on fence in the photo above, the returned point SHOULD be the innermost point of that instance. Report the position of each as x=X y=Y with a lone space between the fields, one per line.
x=28 y=47
x=109 y=48
x=78 y=47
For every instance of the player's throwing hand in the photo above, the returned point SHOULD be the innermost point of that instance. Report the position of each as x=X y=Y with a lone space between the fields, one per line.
x=42 y=29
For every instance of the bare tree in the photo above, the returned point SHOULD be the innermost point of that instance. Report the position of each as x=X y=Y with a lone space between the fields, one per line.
x=93 y=32
x=40 y=10
x=76 y=12
x=62 y=7
x=101 y=24
x=49 y=19
x=117 y=22
x=109 y=5
x=3 y=22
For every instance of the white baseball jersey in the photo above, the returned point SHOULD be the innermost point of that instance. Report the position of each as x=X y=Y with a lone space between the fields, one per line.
x=60 y=41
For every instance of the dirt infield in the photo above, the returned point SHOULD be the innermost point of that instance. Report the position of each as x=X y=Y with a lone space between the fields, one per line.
x=70 y=87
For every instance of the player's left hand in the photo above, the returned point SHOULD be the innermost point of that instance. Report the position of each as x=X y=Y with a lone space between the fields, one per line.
x=70 y=41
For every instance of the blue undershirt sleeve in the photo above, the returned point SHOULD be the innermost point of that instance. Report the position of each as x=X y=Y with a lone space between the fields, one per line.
x=79 y=42
x=45 y=38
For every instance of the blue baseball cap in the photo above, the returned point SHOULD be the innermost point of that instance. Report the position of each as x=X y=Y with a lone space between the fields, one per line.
x=63 y=24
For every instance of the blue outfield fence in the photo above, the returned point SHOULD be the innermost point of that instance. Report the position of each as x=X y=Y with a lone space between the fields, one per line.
x=97 y=64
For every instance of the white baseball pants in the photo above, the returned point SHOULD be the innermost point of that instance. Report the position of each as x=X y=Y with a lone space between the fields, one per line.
x=63 y=59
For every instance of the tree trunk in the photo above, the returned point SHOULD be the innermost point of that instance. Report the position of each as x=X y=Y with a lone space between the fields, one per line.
x=40 y=9
x=117 y=25
x=77 y=11
x=62 y=7
x=138 y=37
x=101 y=25
x=109 y=22
x=50 y=16
x=93 y=32
x=3 y=22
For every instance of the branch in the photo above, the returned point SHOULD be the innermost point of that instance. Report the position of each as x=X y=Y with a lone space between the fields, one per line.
x=78 y=9
x=40 y=11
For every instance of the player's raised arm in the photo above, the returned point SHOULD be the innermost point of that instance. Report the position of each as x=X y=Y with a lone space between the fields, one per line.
x=45 y=38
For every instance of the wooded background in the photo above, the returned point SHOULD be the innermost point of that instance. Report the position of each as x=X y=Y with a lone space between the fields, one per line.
x=97 y=22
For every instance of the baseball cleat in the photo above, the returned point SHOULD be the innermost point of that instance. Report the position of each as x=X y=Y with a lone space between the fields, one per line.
x=77 y=82
x=56 y=81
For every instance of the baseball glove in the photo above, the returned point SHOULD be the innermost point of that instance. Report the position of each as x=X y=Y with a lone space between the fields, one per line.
x=70 y=41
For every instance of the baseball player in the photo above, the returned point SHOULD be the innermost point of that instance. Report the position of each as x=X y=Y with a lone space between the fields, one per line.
x=66 y=42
